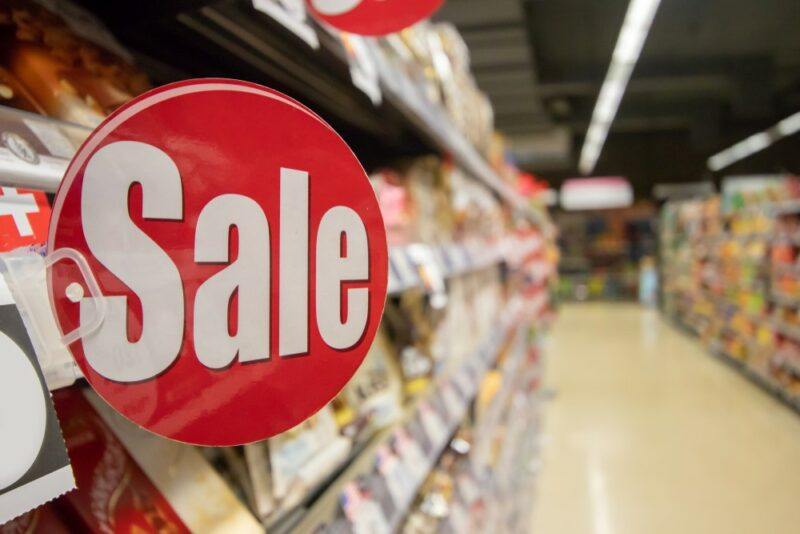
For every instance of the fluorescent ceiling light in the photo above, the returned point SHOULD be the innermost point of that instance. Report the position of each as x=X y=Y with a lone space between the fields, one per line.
x=632 y=36
x=755 y=143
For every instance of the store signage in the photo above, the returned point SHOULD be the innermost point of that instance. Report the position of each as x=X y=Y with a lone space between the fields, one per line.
x=372 y=17
x=24 y=216
x=242 y=255
x=34 y=467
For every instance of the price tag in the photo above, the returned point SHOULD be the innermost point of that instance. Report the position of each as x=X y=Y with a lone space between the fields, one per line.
x=464 y=383
x=401 y=264
x=393 y=471
x=411 y=453
x=430 y=273
x=35 y=467
x=418 y=434
x=365 y=515
x=452 y=401
x=432 y=422
x=375 y=485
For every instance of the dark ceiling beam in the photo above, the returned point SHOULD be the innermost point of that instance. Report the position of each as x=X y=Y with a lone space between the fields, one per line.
x=702 y=85
x=639 y=124
x=471 y=14
x=482 y=58
x=490 y=37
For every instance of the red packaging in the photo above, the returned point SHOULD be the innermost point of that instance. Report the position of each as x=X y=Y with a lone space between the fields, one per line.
x=24 y=218
x=114 y=495
x=42 y=520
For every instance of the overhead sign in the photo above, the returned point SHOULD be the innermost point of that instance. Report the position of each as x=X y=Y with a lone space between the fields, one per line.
x=372 y=17
x=596 y=193
x=242 y=255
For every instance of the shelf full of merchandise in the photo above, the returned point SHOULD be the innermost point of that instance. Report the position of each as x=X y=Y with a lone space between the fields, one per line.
x=450 y=271
x=728 y=273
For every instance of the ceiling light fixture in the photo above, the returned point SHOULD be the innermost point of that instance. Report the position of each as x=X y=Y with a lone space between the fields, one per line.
x=632 y=36
x=755 y=143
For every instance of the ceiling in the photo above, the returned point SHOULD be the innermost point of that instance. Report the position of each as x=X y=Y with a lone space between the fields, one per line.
x=711 y=73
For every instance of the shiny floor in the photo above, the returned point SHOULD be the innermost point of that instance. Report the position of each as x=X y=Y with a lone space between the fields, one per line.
x=647 y=434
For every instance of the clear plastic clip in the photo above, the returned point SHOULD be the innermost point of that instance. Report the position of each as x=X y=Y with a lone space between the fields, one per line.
x=25 y=273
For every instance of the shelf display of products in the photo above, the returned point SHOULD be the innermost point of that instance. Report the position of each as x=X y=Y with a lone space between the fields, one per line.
x=602 y=252
x=456 y=358
x=728 y=275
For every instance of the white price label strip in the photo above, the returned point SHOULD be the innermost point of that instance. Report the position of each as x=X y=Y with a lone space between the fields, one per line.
x=406 y=271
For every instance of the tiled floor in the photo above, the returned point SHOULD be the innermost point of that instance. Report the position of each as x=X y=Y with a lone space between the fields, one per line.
x=648 y=434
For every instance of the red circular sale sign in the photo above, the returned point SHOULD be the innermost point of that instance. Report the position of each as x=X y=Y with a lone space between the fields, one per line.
x=372 y=17
x=240 y=253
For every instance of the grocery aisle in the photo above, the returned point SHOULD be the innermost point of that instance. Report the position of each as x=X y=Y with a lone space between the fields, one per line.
x=648 y=433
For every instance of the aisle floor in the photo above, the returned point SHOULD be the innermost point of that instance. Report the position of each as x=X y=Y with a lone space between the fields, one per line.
x=646 y=434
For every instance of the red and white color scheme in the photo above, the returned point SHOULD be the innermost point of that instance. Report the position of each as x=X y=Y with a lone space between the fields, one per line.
x=242 y=256
x=372 y=17
x=24 y=216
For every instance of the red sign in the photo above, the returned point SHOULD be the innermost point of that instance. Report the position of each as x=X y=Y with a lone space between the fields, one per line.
x=242 y=256
x=24 y=216
x=372 y=17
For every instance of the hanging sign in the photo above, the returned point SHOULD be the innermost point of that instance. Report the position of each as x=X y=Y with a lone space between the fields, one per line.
x=372 y=17
x=242 y=255
x=34 y=466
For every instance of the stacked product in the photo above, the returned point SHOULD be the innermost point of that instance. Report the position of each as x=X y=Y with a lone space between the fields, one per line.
x=729 y=276
x=436 y=58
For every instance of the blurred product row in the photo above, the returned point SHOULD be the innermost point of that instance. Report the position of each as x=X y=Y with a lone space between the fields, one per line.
x=604 y=252
x=729 y=269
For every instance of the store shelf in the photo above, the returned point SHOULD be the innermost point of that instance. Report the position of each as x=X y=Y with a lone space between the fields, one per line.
x=311 y=63
x=722 y=328
x=757 y=378
x=783 y=208
x=464 y=382
x=35 y=150
x=786 y=330
x=782 y=299
x=419 y=265
x=414 y=266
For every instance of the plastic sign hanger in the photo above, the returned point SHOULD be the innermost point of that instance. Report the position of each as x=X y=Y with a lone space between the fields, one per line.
x=241 y=255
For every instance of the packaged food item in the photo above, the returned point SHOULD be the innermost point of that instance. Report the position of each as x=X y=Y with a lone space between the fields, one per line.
x=301 y=457
x=395 y=204
x=114 y=494
x=373 y=398
x=14 y=94
x=61 y=73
